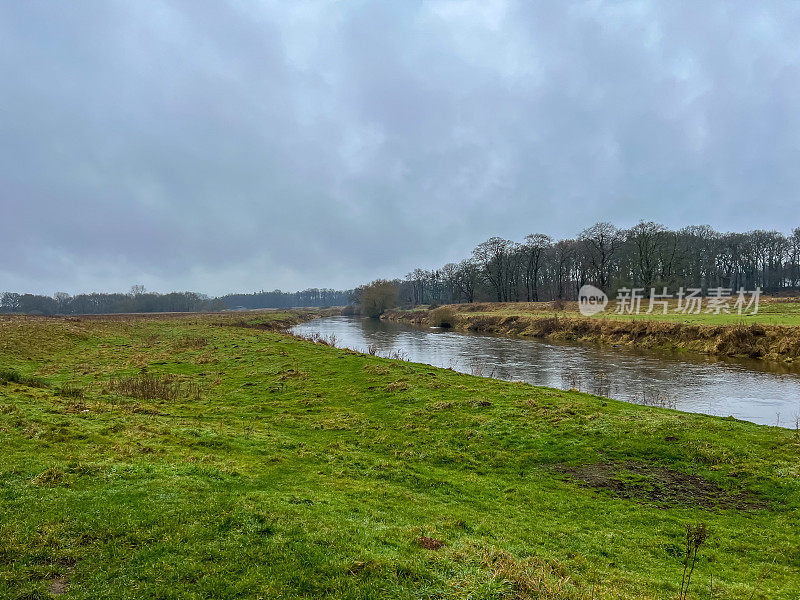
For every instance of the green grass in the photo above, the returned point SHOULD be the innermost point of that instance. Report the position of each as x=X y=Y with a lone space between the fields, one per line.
x=306 y=471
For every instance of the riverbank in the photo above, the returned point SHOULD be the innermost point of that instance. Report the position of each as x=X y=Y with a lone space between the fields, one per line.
x=216 y=456
x=773 y=334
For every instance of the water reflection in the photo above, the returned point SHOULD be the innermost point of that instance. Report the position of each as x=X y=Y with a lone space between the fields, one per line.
x=758 y=391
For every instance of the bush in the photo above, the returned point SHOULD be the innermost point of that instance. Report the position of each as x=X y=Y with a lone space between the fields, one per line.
x=442 y=317
x=377 y=297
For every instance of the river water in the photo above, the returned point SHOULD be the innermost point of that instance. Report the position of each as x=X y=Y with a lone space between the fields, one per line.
x=753 y=390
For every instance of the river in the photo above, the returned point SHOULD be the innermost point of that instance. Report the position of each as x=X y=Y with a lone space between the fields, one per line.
x=752 y=390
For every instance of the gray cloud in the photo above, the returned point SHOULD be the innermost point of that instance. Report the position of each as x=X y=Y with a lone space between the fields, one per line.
x=194 y=145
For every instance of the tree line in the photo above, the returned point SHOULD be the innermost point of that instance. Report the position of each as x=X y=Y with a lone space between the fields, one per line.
x=538 y=268
x=312 y=297
x=62 y=303
x=648 y=255
x=138 y=300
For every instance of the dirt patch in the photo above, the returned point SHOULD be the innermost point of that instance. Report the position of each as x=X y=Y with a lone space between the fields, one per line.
x=59 y=586
x=661 y=485
x=429 y=543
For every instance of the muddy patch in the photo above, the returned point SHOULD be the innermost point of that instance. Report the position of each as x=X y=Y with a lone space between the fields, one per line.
x=430 y=543
x=660 y=485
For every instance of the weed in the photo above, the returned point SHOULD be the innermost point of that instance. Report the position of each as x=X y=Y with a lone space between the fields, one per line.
x=570 y=380
x=476 y=366
x=318 y=338
x=695 y=536
x=398 y=355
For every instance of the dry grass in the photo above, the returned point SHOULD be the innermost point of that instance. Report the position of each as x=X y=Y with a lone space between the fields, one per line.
x=520 y=578
x=397 y=386
x=52 y=477
x=70 y=390
x=145 y=386
x=530 y=577
x=191 y=342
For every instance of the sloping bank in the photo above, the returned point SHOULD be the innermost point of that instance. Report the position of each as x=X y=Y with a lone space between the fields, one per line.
x=273 y=320
x=768 y=342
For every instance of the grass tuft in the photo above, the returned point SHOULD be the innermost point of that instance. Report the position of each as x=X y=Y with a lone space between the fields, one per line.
x=13 y=376
x=145 y=386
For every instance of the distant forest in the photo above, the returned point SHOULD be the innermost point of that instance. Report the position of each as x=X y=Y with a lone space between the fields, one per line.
x=96 y=303
x=278 y=299
x=648 y=255
x=140 y=301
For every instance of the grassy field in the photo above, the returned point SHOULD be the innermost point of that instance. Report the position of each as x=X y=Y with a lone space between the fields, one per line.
x=209 y=457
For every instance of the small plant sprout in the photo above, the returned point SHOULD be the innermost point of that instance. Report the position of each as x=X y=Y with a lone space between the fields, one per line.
x=695 y=536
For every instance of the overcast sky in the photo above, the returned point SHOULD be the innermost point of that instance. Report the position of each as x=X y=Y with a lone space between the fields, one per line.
x=236 y=146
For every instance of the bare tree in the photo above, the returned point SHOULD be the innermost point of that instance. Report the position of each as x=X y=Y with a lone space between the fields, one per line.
x=602 y=241
x=466 y=279
x=492 y=257
x=647 y=241
x=535 y=247
x=563 y=253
